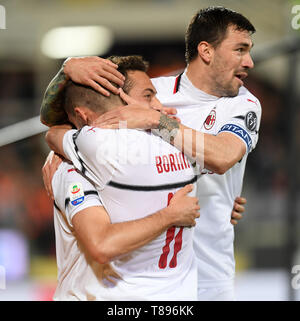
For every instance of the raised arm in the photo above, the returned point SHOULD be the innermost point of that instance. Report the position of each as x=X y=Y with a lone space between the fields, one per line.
x=51 y=112
x=89 y=71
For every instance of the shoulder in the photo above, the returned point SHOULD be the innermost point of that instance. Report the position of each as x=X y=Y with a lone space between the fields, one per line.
x=92 y=140
x=60 y=172
x=244 y=100
x=69 y=186
x=66 y=175
x=245 y=105
x=90 y=134
x=93 y=133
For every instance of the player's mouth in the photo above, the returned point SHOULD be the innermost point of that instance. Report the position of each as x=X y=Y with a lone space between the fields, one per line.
x=240 y=76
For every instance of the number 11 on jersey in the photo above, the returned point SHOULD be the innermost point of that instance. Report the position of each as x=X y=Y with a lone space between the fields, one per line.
x=177 y=244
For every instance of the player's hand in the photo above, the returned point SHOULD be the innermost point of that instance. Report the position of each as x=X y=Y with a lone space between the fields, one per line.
x=238 y=210
x=51 y=164
x=154 y=103
x=95 y=72
x=184 y=208
x=135 y=115
x=131 y=116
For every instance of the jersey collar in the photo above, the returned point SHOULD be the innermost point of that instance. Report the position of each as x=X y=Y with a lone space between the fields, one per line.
x=185 y=86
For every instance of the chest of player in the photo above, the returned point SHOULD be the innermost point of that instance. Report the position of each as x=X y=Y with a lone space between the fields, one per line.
x=206 y=119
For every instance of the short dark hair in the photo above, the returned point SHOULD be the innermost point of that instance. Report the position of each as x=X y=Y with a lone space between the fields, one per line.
x=76 y=95
x=211 y=24
x=129 y=63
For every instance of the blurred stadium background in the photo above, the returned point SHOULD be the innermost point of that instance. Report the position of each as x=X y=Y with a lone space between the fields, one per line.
x=267 y=241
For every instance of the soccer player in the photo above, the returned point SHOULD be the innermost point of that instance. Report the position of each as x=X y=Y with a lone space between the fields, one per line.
x=212 y=101
x=87 y=236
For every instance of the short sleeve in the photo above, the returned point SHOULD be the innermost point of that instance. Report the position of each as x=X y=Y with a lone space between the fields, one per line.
x=79 y=196
x=73 y=192
x=243 y=120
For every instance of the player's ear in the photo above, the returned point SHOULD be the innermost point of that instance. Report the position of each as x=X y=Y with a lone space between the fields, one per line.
x=81 y=114
x=205 y=51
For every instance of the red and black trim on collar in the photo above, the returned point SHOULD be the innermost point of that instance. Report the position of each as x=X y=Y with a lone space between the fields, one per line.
x=177 y=83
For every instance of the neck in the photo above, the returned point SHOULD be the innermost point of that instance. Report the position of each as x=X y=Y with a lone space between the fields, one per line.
x=84 y=116
x=201 y=77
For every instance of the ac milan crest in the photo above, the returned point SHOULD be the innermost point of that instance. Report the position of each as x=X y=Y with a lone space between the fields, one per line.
x=210 y=120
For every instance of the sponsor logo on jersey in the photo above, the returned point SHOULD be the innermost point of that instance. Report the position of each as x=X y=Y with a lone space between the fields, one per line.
x=238 y=131
x=76 y=194
x=251 y=121
x=210 y=120
x=252 y=101
x=92 y=130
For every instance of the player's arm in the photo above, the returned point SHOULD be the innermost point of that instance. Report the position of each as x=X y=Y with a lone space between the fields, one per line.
x=236 y=136
x=105 y=241
x=90 y=71
x=51 y=112
x=51 y=165
x=54 y=138
x=216 y=153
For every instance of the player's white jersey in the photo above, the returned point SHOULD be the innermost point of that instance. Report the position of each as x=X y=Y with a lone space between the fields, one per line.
x=78 y=274
x=136 y=174
x=240 y=115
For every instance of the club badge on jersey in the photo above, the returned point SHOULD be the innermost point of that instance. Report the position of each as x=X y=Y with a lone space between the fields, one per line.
x=76 y=194
x=210 y=120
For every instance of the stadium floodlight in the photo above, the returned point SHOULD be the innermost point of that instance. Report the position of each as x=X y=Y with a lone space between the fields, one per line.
x=62 y=42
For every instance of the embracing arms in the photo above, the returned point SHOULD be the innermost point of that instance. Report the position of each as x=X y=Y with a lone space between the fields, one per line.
x=215 y=153
x=101 y=72
x=106 y=241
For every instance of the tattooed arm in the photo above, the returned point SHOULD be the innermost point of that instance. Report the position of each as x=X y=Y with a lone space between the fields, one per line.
x=216 y=153
x=52 y=112
x=94 y=72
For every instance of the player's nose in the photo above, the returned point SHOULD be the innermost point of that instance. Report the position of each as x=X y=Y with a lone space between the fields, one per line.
x=248 y=62
x=155 y=103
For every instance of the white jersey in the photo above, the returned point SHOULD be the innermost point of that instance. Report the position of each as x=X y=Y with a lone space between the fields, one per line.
x=136 y=174
x=77 y=277
x=240 y=115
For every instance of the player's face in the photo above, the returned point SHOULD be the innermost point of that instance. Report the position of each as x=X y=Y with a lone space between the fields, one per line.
x=142 y=89
x=231 y=62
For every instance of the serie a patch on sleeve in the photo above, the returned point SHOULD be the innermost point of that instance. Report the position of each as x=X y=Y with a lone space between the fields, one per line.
x=76 y=194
